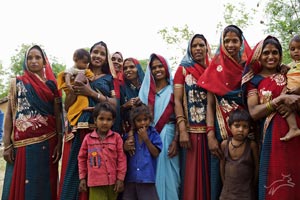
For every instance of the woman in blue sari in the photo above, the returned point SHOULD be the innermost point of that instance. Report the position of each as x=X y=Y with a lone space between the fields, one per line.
x=33 y=131
x=103 y=88
x=157 y=92
x=133 y=77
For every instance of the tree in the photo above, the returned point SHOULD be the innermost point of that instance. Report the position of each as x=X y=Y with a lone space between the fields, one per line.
x=3 y=83
x=177 y=38
x=283 y=22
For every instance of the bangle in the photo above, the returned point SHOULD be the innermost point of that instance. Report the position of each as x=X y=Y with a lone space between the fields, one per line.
x=8 y=147
x=209 y=128
x=180 y=120
x=179 y=116
x=98 y=96
x=269 y=107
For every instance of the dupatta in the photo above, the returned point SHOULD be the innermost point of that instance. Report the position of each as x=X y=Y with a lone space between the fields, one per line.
x=224 y=73
x=148 y=92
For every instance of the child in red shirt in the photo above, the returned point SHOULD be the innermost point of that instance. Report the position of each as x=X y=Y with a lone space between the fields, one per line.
x=101 y=160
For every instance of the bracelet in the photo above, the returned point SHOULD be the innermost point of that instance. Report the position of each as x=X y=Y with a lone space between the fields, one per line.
x=179 y=116
x=269 y=107
x=209 y=128
x=180 y=120
x=8 y=147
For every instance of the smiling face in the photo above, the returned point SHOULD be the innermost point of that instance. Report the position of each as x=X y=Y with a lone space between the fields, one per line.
x=117 y=61
x=98 y=56
x=198 y=50
x=130 y=71
x=35 y=61
x=232 y=44
x=158 y=71
x=270 y=58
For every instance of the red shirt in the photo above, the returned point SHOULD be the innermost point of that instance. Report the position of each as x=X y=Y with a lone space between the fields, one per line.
x=102 y=162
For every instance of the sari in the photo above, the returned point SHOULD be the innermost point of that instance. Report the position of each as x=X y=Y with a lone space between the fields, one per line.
x=33 y=175
x=69 y=182
x=223 y=79
x=194 y=161
x=129 y=91
x=278 y=171
x=162 y=106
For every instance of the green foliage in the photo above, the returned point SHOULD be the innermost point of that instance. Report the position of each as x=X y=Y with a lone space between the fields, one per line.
x=283 y=22
x=3 y=83
x=238 y=15
x=177 y=38
x=144 y=64
x=56 y=66
x=18 y=59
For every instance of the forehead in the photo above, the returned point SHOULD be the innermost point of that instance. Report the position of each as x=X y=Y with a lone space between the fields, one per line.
x=116 y=55
x=155 y=62
x=230 y=34
x=104 y=113
x=128 y=63
x=198 y=40
x=269 y=47
x=99 y=47
x=34 y=51
x=295 y=44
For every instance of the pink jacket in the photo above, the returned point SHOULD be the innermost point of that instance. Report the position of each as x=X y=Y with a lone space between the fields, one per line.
x=102 y=162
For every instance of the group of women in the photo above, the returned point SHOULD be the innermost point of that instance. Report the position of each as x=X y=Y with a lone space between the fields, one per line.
x=190 y=113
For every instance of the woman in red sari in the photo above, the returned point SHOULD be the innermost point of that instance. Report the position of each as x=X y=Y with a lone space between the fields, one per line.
x=279 y=167
x=33 y=131
x=222 y=80
x=190 y=110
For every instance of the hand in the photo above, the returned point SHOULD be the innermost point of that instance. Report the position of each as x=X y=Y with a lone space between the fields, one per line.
x=70 y=88
x=57 y=150
x=214 y=147
x=129 y=146
x=290 y=100
x=8 y=155
x=284 y=110
x=184 y=140
x=173 y=149
x=82 y=185
x=119 y=186
x=294 y=90
x=143 y=134
x=81 y=88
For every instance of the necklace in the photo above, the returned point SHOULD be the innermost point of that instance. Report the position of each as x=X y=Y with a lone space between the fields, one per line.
x=237 y=146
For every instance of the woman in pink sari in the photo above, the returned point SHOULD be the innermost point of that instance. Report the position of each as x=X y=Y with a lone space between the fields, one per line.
x=279 y=169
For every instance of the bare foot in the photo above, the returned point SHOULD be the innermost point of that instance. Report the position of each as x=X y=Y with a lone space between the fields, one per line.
x=293 y=132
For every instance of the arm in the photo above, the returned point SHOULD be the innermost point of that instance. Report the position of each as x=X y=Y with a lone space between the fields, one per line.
x=121 y=166
x=8 y=128
x=184 y=138
x=143 y=134
x=213 y=143
x=59 y=130
x=222 y=161
x=254 y=150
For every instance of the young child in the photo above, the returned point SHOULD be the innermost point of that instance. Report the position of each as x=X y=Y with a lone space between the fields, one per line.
x=140 y=177
x=239 y=167
x=78 y=73
x=293 y=85
x=101 y=159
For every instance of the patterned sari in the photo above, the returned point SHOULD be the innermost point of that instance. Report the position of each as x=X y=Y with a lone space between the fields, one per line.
x=162 y=105
x=278 y=169
x=33 y=175
x=129 y=91
x=194 y=161
x=223 y=78
x=69 y=181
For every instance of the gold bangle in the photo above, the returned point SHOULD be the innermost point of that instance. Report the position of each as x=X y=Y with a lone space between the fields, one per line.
x=8 y=147
x=180 y=120
x=179 y=116
x=269 y=107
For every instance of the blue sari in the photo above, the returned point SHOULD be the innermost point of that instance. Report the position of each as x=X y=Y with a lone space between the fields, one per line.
x=167 y=173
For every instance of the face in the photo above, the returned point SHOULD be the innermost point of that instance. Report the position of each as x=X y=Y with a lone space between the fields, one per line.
x=35 y=61
x=198 y=50
x=270 y=58
x=295 y=50
x=117 y=61
x=130 y=71
x=82 y=64
x=98 y=56
x=104 y=122
x=232 y=44
x=240 y=130
x=142 y=121
x=157 y=70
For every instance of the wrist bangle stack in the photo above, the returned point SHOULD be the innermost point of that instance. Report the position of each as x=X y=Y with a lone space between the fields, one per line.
x=179 y=119
x=269 y=107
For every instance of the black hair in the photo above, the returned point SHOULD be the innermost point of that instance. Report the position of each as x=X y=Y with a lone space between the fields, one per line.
x=104 y=106
x=141 y=109
x=274 y=41
x=235 y=29
x=239 y=115
x=199 y=36
x=81 y=54
x=296 y=38
x=41 y=50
